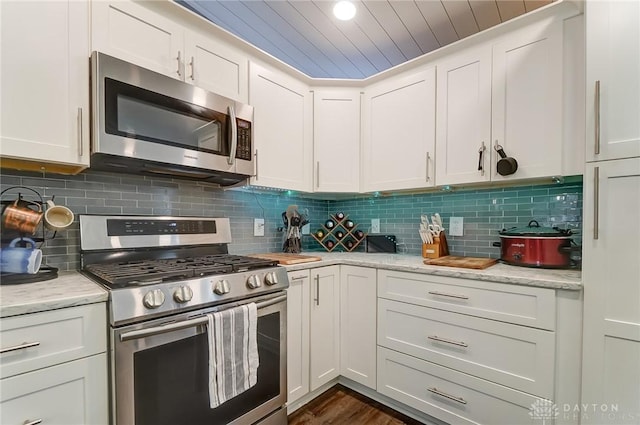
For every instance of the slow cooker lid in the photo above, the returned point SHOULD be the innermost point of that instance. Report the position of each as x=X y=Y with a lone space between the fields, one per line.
x=534 y=229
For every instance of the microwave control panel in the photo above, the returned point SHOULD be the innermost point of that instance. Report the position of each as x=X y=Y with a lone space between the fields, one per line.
x=244 y=140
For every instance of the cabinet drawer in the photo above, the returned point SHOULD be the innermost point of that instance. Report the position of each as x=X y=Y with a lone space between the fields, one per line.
x=522 y=305
x=70 y=393
x=451 y=396
x=512 y=355
x=51 y=337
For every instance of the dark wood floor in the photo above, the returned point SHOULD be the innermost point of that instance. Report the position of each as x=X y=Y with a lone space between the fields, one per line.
x=340 y=405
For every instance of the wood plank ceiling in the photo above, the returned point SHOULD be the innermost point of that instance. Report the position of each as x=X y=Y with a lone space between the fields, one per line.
x=383 y=34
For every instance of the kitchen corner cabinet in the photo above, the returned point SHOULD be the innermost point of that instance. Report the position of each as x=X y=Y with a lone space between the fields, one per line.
x=358 y=324
x=61 y=377
x=336 y=140
x=282 y=129
x=613 y=79
x=138 y=35
x=509 y=93
x=398 y=126
x=298 y=305
x=611 y=277
x=45 y=85
x=324 y=334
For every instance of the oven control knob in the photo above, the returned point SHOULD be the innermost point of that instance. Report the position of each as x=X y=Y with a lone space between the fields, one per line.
x=153 y=299
x=221 y=287
x=183 y=294
x=253 y=282
x=271 y=278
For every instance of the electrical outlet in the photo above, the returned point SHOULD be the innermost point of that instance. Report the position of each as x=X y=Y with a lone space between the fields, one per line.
x=375 y=225
x=456 y=226
x=258 y=227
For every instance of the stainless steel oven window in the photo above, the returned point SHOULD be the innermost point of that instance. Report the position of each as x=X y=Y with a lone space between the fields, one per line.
x=163 y=378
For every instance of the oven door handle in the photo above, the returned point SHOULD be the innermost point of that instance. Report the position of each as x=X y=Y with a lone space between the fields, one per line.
x=203 y=320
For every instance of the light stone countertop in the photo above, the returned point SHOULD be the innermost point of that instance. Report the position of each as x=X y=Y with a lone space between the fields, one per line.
x=67 y=290
x=73 y=289
x=503 y=273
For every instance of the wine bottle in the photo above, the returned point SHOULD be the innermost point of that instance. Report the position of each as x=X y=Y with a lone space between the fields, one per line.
x=329 y=244
x=349 y=244
x=339 y=234
x=359 y=234
x=339 y=215
x=319 y=233
x=329 y=224
x=349 y=224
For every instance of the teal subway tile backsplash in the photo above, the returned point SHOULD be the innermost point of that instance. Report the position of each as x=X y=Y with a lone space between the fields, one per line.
x=107 y=193
x=485 y=211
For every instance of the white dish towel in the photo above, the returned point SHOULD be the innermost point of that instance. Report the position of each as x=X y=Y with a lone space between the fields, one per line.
x=233 y=352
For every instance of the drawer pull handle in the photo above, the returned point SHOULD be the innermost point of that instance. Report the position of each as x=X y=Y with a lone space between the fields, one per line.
x=28 y=422
x=22 y=346
x=448 y=341
x=445 y=395
x=442 y=294
x=297 y=277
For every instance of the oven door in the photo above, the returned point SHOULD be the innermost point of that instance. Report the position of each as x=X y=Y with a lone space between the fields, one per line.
x=160 y=370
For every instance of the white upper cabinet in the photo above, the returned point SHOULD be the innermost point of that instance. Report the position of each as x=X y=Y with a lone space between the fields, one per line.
x=336 y=140
x=506 y=93
x=613 y=79
x=135 y=34
x=214 y=66
x=399 y=132
x=45 y=82
x=463 y=139
x=526 y=101
x=282 y=129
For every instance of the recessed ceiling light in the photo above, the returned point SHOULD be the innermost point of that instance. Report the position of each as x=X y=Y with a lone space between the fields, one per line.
x=344 y=10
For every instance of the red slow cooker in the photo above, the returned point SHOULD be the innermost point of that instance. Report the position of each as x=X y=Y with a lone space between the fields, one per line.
x=535 y=246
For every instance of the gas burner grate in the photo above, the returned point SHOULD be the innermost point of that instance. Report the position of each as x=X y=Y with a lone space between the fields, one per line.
x=154 y=271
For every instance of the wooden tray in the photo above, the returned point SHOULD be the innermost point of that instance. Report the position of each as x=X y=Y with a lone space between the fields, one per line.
x=463 y=262
x=286 y=259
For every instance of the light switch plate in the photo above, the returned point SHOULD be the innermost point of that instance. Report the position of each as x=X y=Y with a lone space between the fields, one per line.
x=258 y=227
x=375 y=225
x=456 y=226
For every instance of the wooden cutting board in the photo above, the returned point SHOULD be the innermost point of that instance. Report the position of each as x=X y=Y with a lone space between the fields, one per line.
x=464 y=262
x=287 y=259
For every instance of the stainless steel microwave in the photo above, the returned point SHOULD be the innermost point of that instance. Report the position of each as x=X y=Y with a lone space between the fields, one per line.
x=148 y=123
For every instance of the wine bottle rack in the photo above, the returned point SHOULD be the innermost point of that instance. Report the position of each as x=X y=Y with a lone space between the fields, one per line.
x=330 y=235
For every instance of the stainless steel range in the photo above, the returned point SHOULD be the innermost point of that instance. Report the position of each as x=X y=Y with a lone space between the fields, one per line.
x=164 y=274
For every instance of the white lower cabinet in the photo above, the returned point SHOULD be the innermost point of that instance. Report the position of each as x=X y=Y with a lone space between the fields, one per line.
x=449 y=395
x=54 y=367
x=611 y=275
x=358 y=324
x=324 y=325
x=504 y=353
x=313 y=330
x=466 y=351
x=68 y=393
x=297 y=335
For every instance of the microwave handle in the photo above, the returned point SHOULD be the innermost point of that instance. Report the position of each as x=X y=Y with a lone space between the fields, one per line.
x=234 y=136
